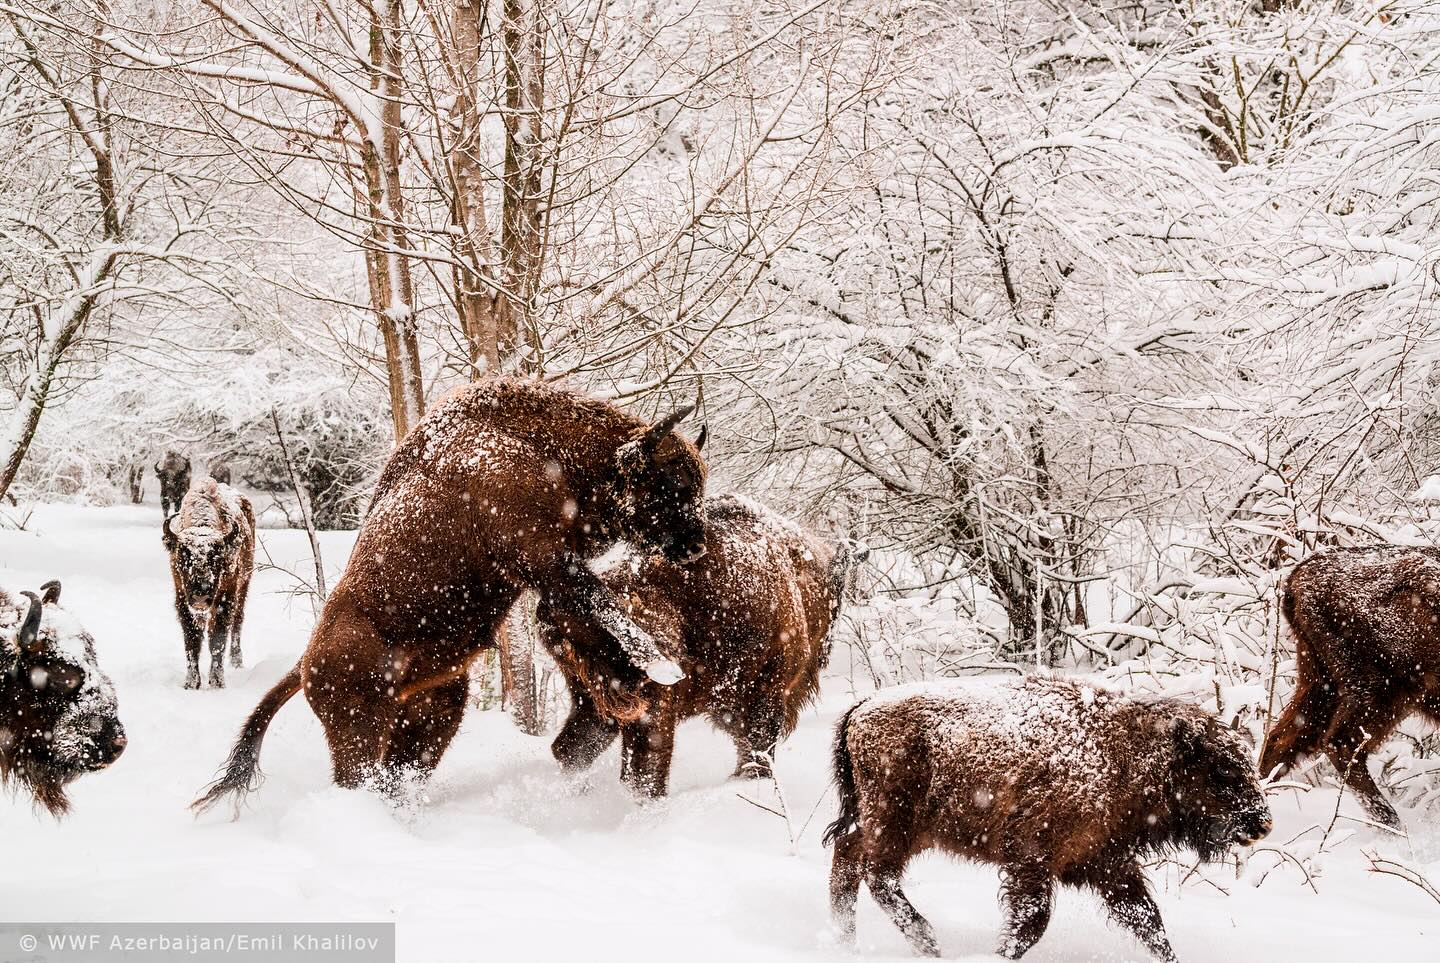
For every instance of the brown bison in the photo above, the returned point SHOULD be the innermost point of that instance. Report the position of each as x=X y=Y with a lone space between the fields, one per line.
x=58 y=717
x=749 y=624
x=211 y=542
x=506 y=484
x=1048 y=778
x=1367 y=650
x=173 y=473
x=221 y=473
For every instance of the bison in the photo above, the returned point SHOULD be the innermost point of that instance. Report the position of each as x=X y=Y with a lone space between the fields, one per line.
x=506 y=484
x=173 y=473
x=749 y=624
x=1050 y=779
x=211 y=542
x=58 y=717
x=1366 y=623
x=221 y=473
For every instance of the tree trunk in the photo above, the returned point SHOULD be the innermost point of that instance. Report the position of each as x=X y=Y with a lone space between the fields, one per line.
x=488 y=328
x=521 y=244
x=387 y=260
x=518 y=648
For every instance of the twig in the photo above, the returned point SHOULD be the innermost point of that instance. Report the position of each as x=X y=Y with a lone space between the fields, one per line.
x=304 y=507
x=1391 y=867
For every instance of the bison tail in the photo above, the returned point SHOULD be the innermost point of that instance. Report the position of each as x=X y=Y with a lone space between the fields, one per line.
x=241 y=774
x=843 y=772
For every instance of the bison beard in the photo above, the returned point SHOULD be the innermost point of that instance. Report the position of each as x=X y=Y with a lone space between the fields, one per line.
x=749 y=621
x=1367 y=651
x=1052 y=780
x=506 y=484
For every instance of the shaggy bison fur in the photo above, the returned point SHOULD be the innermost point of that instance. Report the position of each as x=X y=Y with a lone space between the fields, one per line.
x=1366 y=623
x=749 y=623
x=58 y=716
x=1050 y=779
x=505 y=485
x=211 y=542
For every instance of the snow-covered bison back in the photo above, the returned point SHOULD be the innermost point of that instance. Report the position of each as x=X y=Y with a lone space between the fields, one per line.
x=1366 y=623
x=506 y=484
x=749 y=622
x=1053 y=780
x=58 y=714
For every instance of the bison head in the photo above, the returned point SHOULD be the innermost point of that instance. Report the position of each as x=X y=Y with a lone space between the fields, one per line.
x=1218 y=802
x=662 y=491
x=199 y=555
x=58 y=716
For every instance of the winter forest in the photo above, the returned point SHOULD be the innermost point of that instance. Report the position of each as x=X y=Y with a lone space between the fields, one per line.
x=1076 y=326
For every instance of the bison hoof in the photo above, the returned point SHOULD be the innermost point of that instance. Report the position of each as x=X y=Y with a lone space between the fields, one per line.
x=236 y=661
x=664 y=671
x=217 y=681
x=192 y=680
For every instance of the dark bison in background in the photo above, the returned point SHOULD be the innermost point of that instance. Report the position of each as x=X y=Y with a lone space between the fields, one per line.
x=221 y=473
x=211 y=542
x=173 y=473
x=1366 y=623
x=749 y=623
x=505 y=485
x=58 y=717
x=1050 y=779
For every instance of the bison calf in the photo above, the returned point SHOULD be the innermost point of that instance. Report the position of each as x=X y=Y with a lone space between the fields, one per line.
x=1050 y=779
x=212 y=555
x=747 y=623
x=1367 y=649
x=58 y=717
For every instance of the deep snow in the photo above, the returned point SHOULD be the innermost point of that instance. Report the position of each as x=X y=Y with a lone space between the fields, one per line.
x=507 y=859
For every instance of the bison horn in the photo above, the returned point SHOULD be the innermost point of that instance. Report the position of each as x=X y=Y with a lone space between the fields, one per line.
x=663 y=427
x=50 y=592
x=28 y=638
x=700 y=438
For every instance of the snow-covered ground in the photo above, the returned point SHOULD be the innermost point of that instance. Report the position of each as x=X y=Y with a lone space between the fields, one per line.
x=508 y=860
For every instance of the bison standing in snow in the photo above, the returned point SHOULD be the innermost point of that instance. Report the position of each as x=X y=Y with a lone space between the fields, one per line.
x=749 y=623
x=1052 y=780
x=58 y=717
x=211 y=542
x=1367 y=649
x=173 y=473
x=505 y=485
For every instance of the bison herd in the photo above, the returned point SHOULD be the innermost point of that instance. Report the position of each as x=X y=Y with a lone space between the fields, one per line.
x=722 y=609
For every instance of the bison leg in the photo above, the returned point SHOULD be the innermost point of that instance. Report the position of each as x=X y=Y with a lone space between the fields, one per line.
x=1131 y=905
x=194 y=636
x=883 y=881
x=1349 y=746
x=219 y=638
x=237 y=620
x=427 y=724
x=1300 y=728
x=346 y=684
x=646 y=750
x=1025 y=897
x=846 y=868
x=584 y=736
x=756 y=740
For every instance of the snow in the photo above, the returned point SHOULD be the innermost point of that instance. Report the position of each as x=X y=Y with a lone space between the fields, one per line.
x=508 y=856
